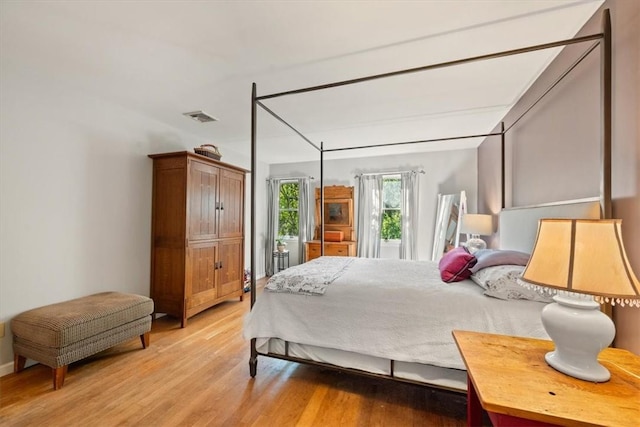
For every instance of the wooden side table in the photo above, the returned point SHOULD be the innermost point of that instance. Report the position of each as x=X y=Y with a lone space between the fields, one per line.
x=509 y=378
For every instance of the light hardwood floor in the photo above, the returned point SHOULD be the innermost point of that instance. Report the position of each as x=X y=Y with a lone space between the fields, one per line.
x=199 y=376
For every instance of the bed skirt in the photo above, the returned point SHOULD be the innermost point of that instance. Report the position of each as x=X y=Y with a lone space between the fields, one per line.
x=434 y=376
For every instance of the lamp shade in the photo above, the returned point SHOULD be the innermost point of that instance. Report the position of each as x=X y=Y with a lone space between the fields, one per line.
x=476 y=224
x=583 y=256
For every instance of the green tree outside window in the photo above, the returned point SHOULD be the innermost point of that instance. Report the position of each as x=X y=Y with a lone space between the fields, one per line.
x=288 y=215
x=391 y=197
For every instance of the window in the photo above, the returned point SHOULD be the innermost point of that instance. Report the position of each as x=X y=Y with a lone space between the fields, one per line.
x=391 y=197
x=288 y=211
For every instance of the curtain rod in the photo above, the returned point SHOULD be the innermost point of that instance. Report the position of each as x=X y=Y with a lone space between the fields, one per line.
x=389 y=173
x=292 y=178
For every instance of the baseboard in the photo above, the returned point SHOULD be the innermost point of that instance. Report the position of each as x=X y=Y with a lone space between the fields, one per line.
x=6 y=369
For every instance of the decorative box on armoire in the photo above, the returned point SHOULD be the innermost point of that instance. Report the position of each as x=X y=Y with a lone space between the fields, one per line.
x=197 y=233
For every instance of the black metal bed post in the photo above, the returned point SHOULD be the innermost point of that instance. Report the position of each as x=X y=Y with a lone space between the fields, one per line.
x=253 y=192
x=253 y=360
x=605 y=112
x=321 y=198
x=503 y=185
x=606 y=209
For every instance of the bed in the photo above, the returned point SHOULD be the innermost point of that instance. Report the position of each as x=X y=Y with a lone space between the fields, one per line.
x=374 y=336
x=393 y=318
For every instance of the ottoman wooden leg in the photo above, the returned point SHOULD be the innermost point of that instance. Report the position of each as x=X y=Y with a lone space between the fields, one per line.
x=18 y=363
x=145 y=338
x=58 y=376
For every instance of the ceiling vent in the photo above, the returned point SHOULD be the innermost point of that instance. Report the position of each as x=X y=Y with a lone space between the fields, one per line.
x=201 y=116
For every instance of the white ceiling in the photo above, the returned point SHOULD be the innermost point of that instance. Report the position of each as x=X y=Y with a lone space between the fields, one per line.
x=163 y=58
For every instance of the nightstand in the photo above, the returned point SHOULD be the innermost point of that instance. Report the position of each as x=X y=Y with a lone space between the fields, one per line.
x=509 y=378
x=280 y=257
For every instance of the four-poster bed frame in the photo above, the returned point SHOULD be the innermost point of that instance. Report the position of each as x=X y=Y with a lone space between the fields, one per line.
x=601 y=39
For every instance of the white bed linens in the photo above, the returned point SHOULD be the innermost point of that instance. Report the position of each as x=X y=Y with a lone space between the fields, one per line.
x=394 y=309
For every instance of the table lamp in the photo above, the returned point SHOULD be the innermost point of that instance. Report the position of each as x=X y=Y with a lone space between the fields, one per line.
x=585 y=261
x=476 y=225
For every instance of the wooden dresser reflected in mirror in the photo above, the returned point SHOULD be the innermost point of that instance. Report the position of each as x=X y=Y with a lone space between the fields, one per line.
x=339 y=232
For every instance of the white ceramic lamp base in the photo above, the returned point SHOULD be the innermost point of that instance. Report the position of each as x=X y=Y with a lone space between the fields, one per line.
x=475 y=243
x=579 y=331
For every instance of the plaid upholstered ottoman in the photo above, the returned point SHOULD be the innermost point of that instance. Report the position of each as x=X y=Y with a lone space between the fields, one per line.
x=59 y=334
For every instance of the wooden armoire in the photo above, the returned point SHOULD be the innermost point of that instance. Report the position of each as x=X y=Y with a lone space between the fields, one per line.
x=197 y=236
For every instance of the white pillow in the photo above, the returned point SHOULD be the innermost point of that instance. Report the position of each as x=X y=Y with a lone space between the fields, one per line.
x=502 y=281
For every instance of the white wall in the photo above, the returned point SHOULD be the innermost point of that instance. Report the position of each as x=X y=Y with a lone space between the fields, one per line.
x=446 y=172
x=261 y=221
x=75 y=193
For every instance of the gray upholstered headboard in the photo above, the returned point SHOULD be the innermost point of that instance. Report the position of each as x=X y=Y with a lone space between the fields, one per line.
x=519 y=226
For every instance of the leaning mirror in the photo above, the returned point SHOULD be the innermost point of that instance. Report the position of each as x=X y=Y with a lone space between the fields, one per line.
x=446 y=233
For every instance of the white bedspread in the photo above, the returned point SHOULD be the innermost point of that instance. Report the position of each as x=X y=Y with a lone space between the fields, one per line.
x=394 y=309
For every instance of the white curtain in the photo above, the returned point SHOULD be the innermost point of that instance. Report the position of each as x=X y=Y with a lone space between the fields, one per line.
x=273 y=208
x=305 y=218
x=409 y=214
x=369 y=216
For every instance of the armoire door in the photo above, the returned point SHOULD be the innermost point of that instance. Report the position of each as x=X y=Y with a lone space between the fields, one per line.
x=231 y=276
x=202 y=269
x=231 y=213
x=203 y=202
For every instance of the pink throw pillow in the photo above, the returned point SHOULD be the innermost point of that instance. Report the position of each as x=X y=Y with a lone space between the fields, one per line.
x=455 y=265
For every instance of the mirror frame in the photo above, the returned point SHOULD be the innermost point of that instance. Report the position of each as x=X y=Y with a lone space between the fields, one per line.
x=446 y=218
